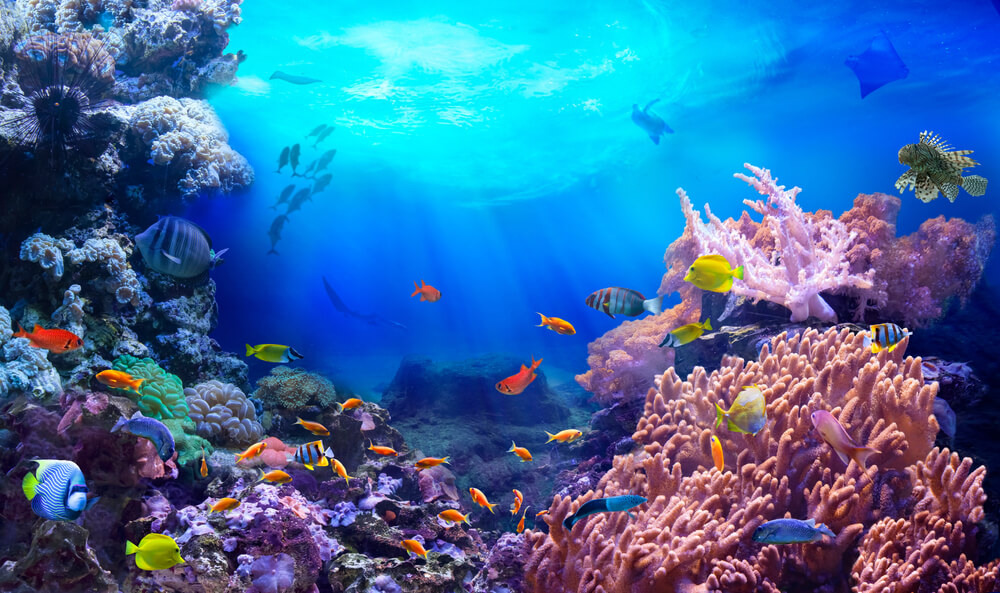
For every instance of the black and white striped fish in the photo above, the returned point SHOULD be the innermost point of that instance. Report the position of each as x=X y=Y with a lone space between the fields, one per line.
x=624 y=301
x=885 y=336
x=177 y=247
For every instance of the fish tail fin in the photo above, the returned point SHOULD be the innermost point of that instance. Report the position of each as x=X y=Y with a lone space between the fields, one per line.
x=720 y=415
x=29 y=485
x=569 y=522
x=217 y=257
x=20 y=332
x=136 y=384
x=654 y=306
x=447 y=459
x=511 y=450
x=118 y=425
x=860 y=455
x=298 y=421
x=416 y=289
x=867 y=342
x=260 y=475
x=465 y=518
x=490 y=506
x=535 y=363
x=707 y=325
x=250 y=350
x=130 y=548
x=339 y=406
x=552 y=437
x=738 y=273
x=270 y=251
x=544 y=320
x=329 y=453
x=974 y=184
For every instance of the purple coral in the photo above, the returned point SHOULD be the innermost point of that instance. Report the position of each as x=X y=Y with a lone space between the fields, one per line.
x=384 y=584
x=273 y=574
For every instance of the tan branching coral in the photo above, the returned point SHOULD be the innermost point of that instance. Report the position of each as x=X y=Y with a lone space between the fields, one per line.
x=695 y=532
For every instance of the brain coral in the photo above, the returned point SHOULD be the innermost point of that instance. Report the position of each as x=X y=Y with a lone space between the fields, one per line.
x=222 y=412
x=162 y=393
x=292 y=389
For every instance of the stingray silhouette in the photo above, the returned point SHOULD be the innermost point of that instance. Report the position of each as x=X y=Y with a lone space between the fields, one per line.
x=878 y=65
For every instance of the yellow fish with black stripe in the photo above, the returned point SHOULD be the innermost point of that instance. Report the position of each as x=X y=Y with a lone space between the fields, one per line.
x=275 y=353
x=713 y=272
x=686 y=334
x=885 y=336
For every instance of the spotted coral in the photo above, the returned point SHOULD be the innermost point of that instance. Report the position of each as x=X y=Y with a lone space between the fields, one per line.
x=223 y=413
x=294 y=388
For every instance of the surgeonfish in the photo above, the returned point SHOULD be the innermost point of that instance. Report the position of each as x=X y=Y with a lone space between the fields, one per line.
x=429 y=462
x=717 y=457
x=57 y=490
x=945 y=416
x=560 y=326
x=274 y=233
x=224 y=504
x=352 y=403
x=284 y=196
x=155 y=552
x=934 y=167
x=311 y=454
x=520 y=524
x=119 y=380
x=339 y=468
x=521 y=452
x=454 y=516
x=747 y=414
x=652 y=124
x=275 y=476
x=613 y=504
x=298 y=199
x=149 y=428
x=427 y=292
x=713 y=272
x=833 y=433
x=321 y=183
x=564 y=436
x=53 y=340
x=316 y=130
x=325 y=159
x=252 y=451
x=275 y=353
x=414 y=547
x=885 y=336
x=313 y=427
x=283 y=158
x=322 y=135
x=177 y=247
x=479 y=498
x=387 y=451
x=518 y=382
x=518 y=500
x=686 y=334
x=791 y=531
x=292 y=78
x=293 y=158
x=624 y=301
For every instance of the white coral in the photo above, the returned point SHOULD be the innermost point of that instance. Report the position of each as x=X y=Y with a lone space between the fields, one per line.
x=123 y=281
x=47 y=252
x=223 y=410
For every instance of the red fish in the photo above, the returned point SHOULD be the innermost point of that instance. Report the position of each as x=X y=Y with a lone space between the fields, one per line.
x=515 y=384
x=427 y=292
x=53 y=340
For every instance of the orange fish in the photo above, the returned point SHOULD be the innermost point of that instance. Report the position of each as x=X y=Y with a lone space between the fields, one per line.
x=252 y=451
x=204 y=466
x=521 y=452
x=119 y=380
x=313 y=427
x=53 y=340
x=564 y=436
x=479 y=498
x=717 y=453
x=428 y=462
x=339 y=468
x=276 y=476
x=382 y=450
x=520 y=524
x=224 y=504
x=454 y=516
x=351 y=404
x=427 y=293
x=515 y=384
x=540 y=513
x=560 y=326
x=518 y=499
x=414 y=547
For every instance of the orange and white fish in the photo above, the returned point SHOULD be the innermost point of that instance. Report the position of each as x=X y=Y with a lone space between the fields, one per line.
x=479 y=498
x=53 y=340
x=560 y=326
x=388 y=451
x=414 y=547
x=428 y=462
x=224 y=504
x=520 y=524
x=275 y=476
x=717 y=454
x=515 y=384
x=454 y=516
x=204 y=465
x=119 y=380
x=518 y=499
x=339 y=468
x=564 y=436
x=427 y=292
x=252 y=451
x=521 y=452
x=313 y=427
x=351 y=404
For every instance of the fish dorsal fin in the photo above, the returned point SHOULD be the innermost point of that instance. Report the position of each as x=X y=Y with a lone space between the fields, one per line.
x=523 y=368
x=155 y=537
x=650 y=104
x=811 y=522
x=37 y=329
x=172 y=258
x=934 y=140
x=715 y=258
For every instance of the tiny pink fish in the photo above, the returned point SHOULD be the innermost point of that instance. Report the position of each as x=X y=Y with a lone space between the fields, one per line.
x=834 y=434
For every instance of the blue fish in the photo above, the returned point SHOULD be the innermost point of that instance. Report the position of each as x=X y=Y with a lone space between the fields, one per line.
x=149 y=428
x=791 y=531
x=57 y=490
x=605 y=505
x=878 y=65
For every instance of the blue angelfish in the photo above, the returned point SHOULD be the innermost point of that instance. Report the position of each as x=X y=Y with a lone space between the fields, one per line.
x=611 y=504
x=149 y=428
x=791 y=531
x=57 y=490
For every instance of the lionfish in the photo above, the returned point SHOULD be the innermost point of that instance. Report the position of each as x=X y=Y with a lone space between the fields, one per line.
x=935 y=166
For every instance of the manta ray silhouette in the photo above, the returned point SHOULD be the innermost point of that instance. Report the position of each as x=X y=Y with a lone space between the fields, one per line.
x=878 y=65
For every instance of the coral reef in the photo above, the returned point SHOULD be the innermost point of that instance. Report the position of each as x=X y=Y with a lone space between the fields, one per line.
x=294 y=389
x=161 y=395
x=59 y=561
x=223 y=413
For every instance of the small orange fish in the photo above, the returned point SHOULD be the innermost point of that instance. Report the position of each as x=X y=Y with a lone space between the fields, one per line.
x=540 y=513
x=351 y=404
x=313 y=427
x=560 y=326
x=119 y=380
x=518 y=499
x=382 y=450
x=521 y=452
x=53 y=340
x=224 y=504
x=339 y=468
x=454 y=516
x=275 y=476
x=717 y=454
x=252 y=451
x=564 y=436
x=520 y=524
x=515 y=384
x=204 y=465
x=479 y=498
x=414 y=547
x=428 y=462
x=427 y=292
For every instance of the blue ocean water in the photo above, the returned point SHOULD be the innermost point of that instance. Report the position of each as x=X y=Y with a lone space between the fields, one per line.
x=487 y=149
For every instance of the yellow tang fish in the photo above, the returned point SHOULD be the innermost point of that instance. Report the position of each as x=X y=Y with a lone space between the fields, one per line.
x=273 y=352
x=155 y=552
x=746 y=415
x=686 y=334
x=713 y=272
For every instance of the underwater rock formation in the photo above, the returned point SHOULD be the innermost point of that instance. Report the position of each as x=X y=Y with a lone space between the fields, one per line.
x=223 y=413
x=24 y=369
x=59 y=561
x=292 y=389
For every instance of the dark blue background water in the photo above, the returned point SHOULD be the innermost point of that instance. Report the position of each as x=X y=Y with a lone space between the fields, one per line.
x=487 y=149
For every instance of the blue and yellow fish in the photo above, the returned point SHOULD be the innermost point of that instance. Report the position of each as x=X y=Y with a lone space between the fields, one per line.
x=624 y=301
x=686 y=334
x=885 y=336
x=713 y=272
x=791 y=531
x=57 y=490
x=311 y=454
x=746 y=415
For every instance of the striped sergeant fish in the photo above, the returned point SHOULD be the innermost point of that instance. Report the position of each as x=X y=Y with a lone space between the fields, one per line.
x=311 y=454
x=885 y=336
x=57 y=490
x=177 y=247
x=624 y=301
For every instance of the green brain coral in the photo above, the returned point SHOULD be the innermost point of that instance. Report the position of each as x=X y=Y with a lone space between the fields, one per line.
x=161 y=395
